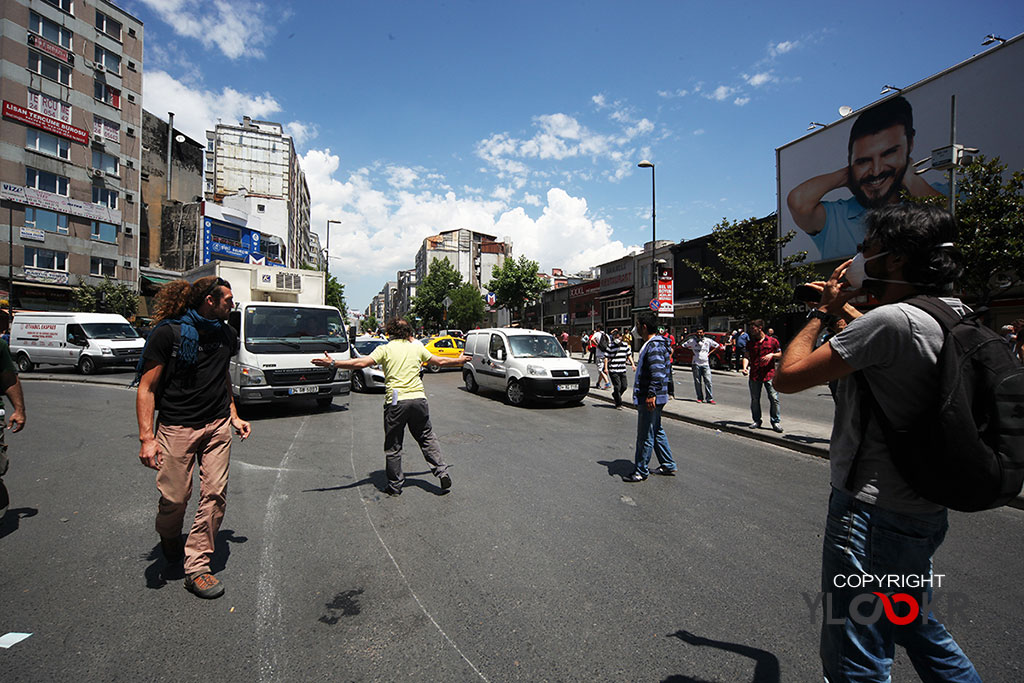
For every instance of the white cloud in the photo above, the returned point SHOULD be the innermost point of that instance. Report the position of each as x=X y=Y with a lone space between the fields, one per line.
x=721 y=93
x=381 y=230
x=760 y=79
x=197 y=110
x=782 y=48
x=301 y=132
x=671 y=94
x=740 y=101
x=401 y=177
x=699 y=131
x=239 y=28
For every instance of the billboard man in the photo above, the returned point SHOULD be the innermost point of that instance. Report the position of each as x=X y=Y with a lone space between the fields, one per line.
x=878 y=158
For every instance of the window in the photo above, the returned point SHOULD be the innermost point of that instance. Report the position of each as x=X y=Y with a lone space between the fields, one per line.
x=104 y=267
x=104 y=197
x=104 y=232
x=66 y=5
x=46 y=181
x=226 y=235
x=49 y=68
x=107 y=25
x=47 y=144
x=260 y=208
x=104 y=162
x=53 y=32
x=46 y=258
x=106 y=129
x=46 y=220
x=49 y=106
x=618 y=309
x=108 y=59
x=105 y=93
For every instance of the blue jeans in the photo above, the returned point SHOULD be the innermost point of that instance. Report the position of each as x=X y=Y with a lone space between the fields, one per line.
x=650 y=436
x=755 y=401
x=863 y=539
x=702 y=382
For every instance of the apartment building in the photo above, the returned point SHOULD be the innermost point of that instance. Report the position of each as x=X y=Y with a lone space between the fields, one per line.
x=257 y=161
x=70 y=145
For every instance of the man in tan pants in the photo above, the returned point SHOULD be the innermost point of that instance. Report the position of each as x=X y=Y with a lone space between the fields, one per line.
x=184 y=375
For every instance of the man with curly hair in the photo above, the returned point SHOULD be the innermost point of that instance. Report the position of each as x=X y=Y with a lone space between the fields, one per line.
x=183 y=374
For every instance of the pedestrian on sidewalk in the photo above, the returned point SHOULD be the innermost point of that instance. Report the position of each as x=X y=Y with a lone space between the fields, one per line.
x=183 y=374
x=650 y=394
x=741 y=349
x=405 y=401
x=701 y=347
x=762 y=352
x=876 y=522
x=10 y=385
x=564 y=338
x=601 y=341
x=618 y=355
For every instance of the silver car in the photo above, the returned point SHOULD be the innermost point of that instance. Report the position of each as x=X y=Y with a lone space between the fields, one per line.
x=371 y=377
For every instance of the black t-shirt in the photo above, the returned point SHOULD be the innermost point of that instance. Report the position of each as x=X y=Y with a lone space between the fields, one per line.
x=193 y=395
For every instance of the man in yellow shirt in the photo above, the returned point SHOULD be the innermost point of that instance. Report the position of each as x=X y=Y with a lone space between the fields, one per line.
x=405 y=402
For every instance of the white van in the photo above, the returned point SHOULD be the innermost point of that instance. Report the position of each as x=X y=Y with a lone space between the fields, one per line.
x=84 y=340
x=524 y=365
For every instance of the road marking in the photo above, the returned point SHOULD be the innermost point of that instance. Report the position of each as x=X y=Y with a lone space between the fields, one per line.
x=262 y=467
x=12 y=638
x=366 y=509
x=268 y=607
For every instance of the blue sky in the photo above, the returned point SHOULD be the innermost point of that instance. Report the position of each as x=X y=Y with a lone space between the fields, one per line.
x=526 y=119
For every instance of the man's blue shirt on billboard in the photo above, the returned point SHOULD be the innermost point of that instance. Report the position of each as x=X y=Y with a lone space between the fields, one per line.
x=843 y=231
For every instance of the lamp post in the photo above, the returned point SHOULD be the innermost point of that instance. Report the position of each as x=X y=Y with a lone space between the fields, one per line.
x=327 y=249
x=654 y=232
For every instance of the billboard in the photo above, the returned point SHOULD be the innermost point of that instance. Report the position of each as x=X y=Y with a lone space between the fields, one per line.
x=828 y=180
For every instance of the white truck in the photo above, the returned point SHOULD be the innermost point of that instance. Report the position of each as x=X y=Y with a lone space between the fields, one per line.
x=282 y=324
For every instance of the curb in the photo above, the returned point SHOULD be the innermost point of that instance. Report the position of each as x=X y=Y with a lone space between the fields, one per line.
x=75 y=379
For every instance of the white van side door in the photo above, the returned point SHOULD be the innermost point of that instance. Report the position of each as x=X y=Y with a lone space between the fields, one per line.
x=493 y=370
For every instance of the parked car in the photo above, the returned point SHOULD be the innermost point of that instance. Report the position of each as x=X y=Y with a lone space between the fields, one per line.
x=683 y=356
x=372 y=377
x=445 y=346
x=524 y=365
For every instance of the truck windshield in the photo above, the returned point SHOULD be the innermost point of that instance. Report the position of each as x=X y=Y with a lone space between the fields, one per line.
x=110 y=331
x=538 y=346
x=288 y=329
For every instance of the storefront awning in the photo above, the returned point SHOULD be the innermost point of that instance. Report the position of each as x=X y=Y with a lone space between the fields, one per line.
x=616 y=295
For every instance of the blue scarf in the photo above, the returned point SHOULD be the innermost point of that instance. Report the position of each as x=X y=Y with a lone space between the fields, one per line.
x=188 y=352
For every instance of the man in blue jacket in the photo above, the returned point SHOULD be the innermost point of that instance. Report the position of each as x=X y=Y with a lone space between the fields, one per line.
x=650 y=394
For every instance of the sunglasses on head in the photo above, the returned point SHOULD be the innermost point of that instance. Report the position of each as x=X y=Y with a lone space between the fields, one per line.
x=219 y=282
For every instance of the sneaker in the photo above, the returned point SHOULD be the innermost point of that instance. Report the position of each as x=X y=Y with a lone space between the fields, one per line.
x=663 y=471
x=777 y=427
x=754 y=425
x=446 y=482
x=700 y=400
x=174 y=549
x=633 y=478
x=711 y=401
x=204 y=585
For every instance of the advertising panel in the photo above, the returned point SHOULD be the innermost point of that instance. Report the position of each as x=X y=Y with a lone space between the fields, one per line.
x=225 y=241
x=59 y=203
x=37 y=120
x=828 y=180
x=666 y=297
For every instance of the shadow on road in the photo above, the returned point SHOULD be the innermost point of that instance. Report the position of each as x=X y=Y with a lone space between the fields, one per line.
x=766 y=665
x=276 y=411
x=805 y=439
x=379 y=480
x=618 y=468
x=159 y=572
x=12 y=520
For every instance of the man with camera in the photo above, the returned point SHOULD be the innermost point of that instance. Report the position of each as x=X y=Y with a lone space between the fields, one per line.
x=876 y=523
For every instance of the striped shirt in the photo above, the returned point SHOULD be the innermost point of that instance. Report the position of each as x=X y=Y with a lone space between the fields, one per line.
x=616 y=356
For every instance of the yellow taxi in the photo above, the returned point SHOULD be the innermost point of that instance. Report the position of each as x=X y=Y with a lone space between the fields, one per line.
x=445 y=346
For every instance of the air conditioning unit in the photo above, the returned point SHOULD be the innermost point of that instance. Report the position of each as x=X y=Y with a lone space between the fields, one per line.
x=131 y=97
x=99 y=68
x=131 y=32
x=129 y=197
x=127 y=264
x=97 y=139
x=272 y=280
x=131 y=65
x=96 y=172
x=127 y=229
x=130 y=132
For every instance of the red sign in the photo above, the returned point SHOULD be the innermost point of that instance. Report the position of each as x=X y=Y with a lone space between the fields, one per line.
x=49 y=48
x=37 y=120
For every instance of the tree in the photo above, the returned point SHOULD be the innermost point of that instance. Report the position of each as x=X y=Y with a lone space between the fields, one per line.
x=990 y=213
x=107 y=297
x=369 y=324
x=467 y=308
x=428 y=304
x=516 y=283
x=748 y=282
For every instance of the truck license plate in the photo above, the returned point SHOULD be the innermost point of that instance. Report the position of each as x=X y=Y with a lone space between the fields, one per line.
x=567 y=387
x=311 y=389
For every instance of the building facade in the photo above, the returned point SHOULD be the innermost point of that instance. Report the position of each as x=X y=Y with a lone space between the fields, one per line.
x=255 y=163
x=473 y=254
x=406 y=292
x=70 y=147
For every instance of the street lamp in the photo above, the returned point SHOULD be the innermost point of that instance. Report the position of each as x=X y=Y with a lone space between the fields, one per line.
x=654 y=233
x=328 y=247
x=815 y=124
x=889 y=89
x=990 y=38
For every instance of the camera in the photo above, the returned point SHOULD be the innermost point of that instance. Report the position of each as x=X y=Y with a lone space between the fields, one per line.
x=806 y=294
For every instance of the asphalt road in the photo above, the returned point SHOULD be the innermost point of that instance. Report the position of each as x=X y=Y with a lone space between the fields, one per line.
x=540 y=564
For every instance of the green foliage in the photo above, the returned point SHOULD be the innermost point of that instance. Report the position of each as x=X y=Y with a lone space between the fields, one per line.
x=467 y=309
x=107 y=297
x=428 y=304
x=516 y=283
x=990 y=211
x=749 y=282
x=369 y=324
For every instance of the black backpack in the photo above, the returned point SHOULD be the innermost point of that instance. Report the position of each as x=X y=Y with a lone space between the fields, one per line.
x=602 y=343
x=966 y=451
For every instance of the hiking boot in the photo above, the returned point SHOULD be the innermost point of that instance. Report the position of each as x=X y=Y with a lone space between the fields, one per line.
x=446 y=482
x=204 y=585
x=174 y=549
